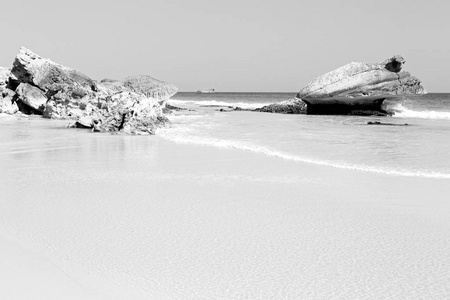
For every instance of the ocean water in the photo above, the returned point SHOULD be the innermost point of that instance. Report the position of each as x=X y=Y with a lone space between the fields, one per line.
x=422 y=148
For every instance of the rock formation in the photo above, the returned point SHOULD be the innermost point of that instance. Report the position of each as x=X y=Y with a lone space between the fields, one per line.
x=37 y=85
x=386 y=124
x=353 y=80
x=30 y=98
x=143 y=84
x=291 y=106
x=150 y=87
x=362 y=105
x=356 y=79
x=5 y=73
x=7 y=104
x=48 y=76
x=124 y=111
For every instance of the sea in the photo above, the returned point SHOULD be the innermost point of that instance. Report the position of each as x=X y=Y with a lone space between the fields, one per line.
x=416 y=141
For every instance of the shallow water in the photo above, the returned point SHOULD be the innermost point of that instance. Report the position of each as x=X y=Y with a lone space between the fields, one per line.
x=420 y=149
x=244 y=100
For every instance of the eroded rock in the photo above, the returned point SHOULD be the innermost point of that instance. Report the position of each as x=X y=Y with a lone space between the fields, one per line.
x=142 y=84
x=7 y=102
x=361 y=106
x=49 y=76
x=130 y=113
x=31 y=98
x=291 y=106
x=37 y=85
x=151 y=87
x=357 y=78
x=4 y=78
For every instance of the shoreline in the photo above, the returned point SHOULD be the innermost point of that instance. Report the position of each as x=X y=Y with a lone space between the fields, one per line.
x=146 y=217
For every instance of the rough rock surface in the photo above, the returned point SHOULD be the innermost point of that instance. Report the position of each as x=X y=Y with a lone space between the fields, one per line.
x=7 y=103
x=37 y=85
x=356 y=79
x=107 y=86
x=142 y=84
x=4 y=77
x=291 y=106
x=150 y=87
x=31 y=98
x=133 y=113
x=49 y=76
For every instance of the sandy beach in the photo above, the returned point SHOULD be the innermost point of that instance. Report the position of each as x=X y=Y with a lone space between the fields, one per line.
x=224 y=150
x=125 y=217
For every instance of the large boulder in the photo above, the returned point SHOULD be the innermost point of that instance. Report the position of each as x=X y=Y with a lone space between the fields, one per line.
x=49 y=76
x=126 y=112
x=150 y=87
x=356 y=79
x=30 y=98
x=142 y=84
x=37 y=85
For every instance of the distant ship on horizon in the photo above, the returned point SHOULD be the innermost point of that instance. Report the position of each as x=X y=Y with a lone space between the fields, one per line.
x=206 y=91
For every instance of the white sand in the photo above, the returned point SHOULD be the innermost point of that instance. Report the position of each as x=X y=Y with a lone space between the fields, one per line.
x=143 y=218
x=26 y=274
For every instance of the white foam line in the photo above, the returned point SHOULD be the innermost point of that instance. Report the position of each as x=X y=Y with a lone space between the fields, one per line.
x=274 y=153
x=403 y=112
x=221 y=103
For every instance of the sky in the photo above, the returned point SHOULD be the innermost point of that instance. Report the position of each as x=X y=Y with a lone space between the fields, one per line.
x=232 y=45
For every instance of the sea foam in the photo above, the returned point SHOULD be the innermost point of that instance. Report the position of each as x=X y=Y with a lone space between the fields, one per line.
x=218 y=103
x=183 y=138
x=403 y=112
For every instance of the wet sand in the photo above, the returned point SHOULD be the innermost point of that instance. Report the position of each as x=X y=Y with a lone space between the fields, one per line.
x=145 y=218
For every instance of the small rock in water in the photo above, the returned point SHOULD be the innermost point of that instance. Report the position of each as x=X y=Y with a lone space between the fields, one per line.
x=291 y=106
x=387 y=124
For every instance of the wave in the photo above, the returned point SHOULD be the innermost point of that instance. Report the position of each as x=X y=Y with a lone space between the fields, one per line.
x=403 y=112
x=218 y=103
x=182 y=138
